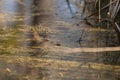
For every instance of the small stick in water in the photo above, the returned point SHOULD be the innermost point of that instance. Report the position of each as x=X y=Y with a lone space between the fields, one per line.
x=68 y=3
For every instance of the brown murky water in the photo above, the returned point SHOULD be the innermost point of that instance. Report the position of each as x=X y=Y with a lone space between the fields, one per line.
x=35 y=35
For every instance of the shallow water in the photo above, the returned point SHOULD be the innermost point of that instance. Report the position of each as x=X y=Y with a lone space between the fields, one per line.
x=24 y=57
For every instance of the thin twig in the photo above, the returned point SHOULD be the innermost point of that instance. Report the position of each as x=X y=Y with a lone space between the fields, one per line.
x=102 y=8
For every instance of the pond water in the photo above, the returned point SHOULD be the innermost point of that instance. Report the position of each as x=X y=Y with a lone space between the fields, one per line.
x=24 y=56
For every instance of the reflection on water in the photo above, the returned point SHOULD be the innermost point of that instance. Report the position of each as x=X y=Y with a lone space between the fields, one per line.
x=14 y=14
x=111 y=58
x=18 y=14
x=21 y=71
x=28 y=11
x=8 y=5
x=42 y=11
